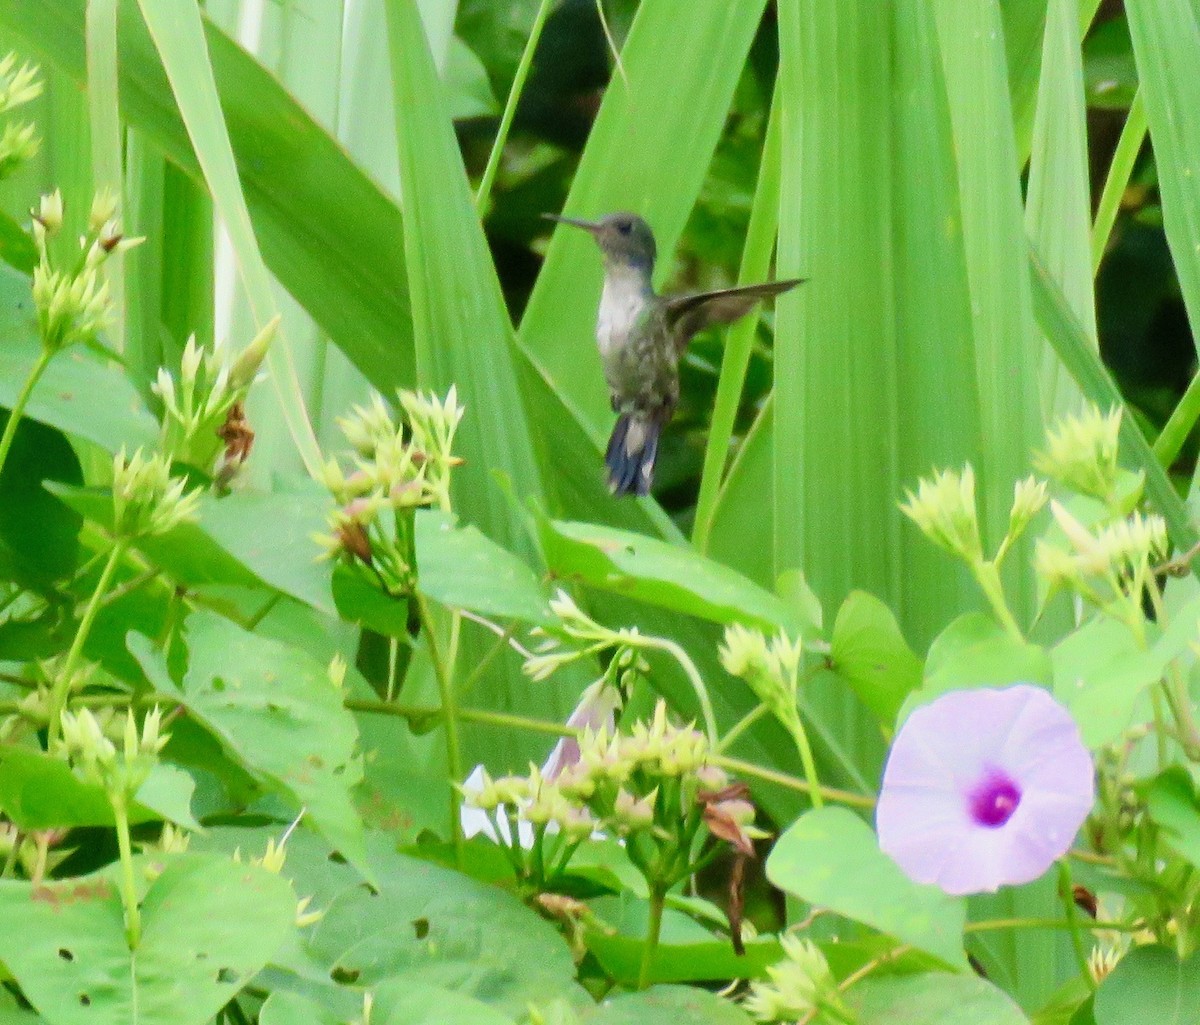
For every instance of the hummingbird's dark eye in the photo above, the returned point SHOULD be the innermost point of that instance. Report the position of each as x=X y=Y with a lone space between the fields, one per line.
x=624 y=227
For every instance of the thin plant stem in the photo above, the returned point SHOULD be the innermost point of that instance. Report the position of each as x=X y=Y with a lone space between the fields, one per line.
x=745 y=768
x=503 y=720
x=1066 y=888
x=740 y=727
x=756 y=261
x=483 y=196
x=658 y=897
x=1133 y=134
x=996 y=924
x=62 y=683
x=10 y=862
x=988 y=577
x=133 y=915
x=800 y=736
x=450 y=720
x=18 y=408
x=694 y=678
x=1179 y=425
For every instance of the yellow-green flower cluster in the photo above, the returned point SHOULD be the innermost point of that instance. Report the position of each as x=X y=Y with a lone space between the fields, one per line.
x=147 y=500
x=1081 y=452
x=771 y=668
x=18 y=139
x=655 y=786
x=800 y=987
x=396 y=466
x=944 y=509
x=210 y=385
x=1107 y=564
x=73 y=303
x=98 y=760
x=577 y=636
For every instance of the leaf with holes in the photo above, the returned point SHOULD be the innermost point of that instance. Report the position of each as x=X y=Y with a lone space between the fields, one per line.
x=276 y=710
x=432 y=925
x=208 y=926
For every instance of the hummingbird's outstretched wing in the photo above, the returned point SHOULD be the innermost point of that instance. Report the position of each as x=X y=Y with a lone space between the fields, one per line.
x=687 y=314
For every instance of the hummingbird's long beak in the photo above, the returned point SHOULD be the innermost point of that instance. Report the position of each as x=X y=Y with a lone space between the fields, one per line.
x=591 y=226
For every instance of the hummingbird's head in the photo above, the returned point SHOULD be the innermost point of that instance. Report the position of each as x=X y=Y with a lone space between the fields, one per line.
x=623 y=238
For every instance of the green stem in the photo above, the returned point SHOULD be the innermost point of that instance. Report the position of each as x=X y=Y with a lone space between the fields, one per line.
x=988 y=577
x=800 y=736
x=450 y=719
x=658 y=896
x=133 y=914
x=994 y=924
x=694 y=678
x=1169 y=442
x=1133 y=134
x=740 y=727
x=483 y=196
x=743 y=768
x=62 y=682
x=1066 y=888
x=18 y=409
x=505 y=720
x=756 y=261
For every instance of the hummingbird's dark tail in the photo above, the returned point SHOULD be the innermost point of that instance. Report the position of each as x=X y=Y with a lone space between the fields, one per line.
x=632 y=449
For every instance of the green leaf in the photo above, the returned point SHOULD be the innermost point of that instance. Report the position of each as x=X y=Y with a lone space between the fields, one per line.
x=974 y=651
x=461 y=568
x=431 y=925
x=699 y=961
x=16 y=247
x=39 y=791
x=186 y=552
x=208 y=926
x=1150 y=986
x=932 y=999
x=1166 y=43
x=412 y=1002
x=1175 y=808
x=667 y=1005
x=328 y=232
x=1100 y=671
x=80 y=393
x=668 y=575
x=271 y=535
x=870 y=654
x=831 y=858
x=279 y=715
x=178 y=32
x=39 y=535
x=285 y=1008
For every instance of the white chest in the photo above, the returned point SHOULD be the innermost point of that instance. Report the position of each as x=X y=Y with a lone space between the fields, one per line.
x=621 y=304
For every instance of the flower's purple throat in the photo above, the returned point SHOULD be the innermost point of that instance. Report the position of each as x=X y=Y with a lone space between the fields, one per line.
x=993 y=802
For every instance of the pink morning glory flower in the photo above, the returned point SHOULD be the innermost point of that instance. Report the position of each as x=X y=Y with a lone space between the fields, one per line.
x=984 y=788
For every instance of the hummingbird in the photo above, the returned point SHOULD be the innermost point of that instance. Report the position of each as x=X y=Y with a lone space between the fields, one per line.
x=642 y=336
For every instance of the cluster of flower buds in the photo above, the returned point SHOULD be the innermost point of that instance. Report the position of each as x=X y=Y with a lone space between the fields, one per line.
x=799 y=988
x=396 y=467
x=655 y=787
x=18 y=140
x=1099 y=549
x=576 y=636
x=147 y=500
x=1108 y=565
x=944 y=509
x=1081 y=452
x=120 y=771
x=202 y=408
x=771 y=668
x=73 y=302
